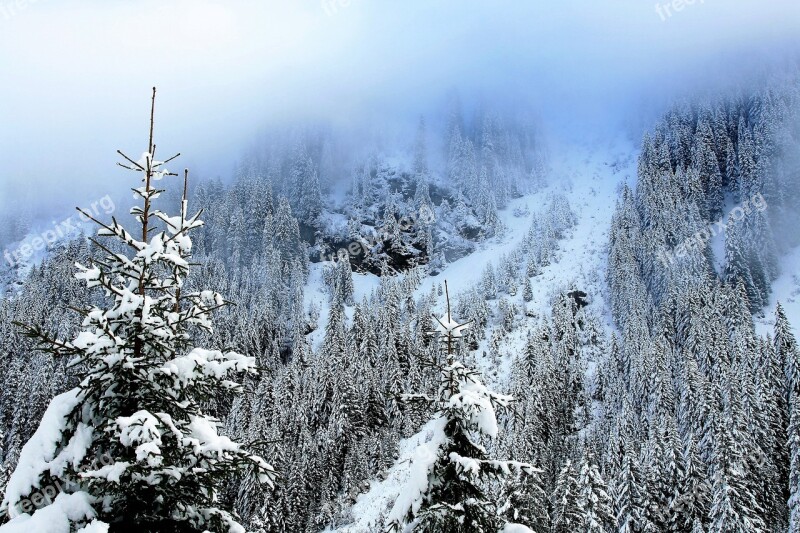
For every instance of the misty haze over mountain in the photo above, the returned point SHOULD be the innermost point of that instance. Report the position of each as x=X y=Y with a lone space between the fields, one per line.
x=228 y=70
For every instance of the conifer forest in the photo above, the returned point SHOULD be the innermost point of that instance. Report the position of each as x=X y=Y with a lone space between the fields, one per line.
x=421 y=267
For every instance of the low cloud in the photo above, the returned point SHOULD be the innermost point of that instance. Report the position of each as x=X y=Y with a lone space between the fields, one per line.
x=77 y=74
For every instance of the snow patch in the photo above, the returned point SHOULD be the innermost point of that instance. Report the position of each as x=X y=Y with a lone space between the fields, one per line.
x=786 y=290
x=406 y=480
x=39 y=454
x=66 y=510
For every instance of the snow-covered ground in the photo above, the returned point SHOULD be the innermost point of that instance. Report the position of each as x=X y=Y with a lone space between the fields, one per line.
x=786 y=290
x=590 y=178
x=593 y=178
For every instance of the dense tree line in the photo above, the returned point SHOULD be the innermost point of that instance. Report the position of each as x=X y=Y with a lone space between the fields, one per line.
x=683 y=420
x=696 y=407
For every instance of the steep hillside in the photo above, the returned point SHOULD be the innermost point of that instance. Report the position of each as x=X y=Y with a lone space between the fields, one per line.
x=589 y=176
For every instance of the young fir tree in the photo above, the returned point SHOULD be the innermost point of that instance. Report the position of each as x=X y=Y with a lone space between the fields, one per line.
x=794 y=468
x=527 y=289
x=567 y=515
x=139 y=405
x=786 y=349
x=594 y=503
x=451 y=497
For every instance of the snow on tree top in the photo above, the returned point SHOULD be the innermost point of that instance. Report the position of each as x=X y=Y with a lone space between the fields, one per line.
x=449 y=327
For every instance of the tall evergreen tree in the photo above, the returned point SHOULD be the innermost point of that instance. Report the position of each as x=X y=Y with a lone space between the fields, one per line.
x=594 y=502
x=567 y=515
x=140 y=402
x=453 y=499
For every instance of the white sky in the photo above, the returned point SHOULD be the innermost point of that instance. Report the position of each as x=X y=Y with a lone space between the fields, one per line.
x=76 y=75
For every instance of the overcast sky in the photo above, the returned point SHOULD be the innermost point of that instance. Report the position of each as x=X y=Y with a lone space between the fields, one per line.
x=76 y=75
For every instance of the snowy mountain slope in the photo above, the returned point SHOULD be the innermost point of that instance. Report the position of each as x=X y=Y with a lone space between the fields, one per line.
x=594 y=179
x=589 y=176
x=786 y=290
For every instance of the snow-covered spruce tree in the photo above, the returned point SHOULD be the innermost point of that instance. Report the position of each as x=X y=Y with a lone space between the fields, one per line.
x=594 y=503
x=794 y=472
x=450 y=496
x=566 y=513
x=629 y=494
x=139 y=405
x=786 y=349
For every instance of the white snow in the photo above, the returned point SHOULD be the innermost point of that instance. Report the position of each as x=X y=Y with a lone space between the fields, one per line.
x=111 y=472
x=201 y=363
x=141 y=431
x=205 y=439
x=39 y=453
x=786 y=290
x=95 y=527
x=406 y=480
x=59 y=517
x=516 y=528
x=466 y=464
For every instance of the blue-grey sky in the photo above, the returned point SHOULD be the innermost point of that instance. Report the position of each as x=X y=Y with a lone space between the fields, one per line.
x=76 y=74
